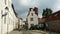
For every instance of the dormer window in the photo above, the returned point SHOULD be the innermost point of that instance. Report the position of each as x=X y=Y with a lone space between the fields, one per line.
x=5 y=2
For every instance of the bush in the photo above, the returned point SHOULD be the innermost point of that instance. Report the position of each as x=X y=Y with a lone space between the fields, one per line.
x=32 y=28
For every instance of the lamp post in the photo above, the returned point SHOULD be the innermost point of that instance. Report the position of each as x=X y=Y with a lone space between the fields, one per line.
x=1 y=21
x=4 y=15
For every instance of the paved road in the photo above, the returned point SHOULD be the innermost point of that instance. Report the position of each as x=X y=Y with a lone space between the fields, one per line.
x=31 y=32
x=44 y=32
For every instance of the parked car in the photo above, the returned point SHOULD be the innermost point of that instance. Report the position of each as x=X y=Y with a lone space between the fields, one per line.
x=41 y=26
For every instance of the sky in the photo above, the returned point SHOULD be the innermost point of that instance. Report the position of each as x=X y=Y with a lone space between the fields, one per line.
x=22 y=6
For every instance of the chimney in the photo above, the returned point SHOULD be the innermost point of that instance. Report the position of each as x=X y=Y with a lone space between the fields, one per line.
x=36 y=10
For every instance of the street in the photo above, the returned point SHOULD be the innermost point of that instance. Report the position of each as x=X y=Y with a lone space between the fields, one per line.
x=30 y=32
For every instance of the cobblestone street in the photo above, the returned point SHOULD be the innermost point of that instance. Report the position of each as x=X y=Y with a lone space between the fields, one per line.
x=25 y=32
x=30 y=32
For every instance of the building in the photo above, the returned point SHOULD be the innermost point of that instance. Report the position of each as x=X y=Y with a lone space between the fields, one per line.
x=41 y=22
x=20 y=23
x=32 y=17
x=8 y=17
x=25 y=26
x=53 y=22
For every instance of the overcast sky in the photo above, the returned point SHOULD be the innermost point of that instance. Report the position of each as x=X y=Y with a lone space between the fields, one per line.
x=22 y=6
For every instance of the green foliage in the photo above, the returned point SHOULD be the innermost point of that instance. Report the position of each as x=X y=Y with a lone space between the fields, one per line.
x=46 y=12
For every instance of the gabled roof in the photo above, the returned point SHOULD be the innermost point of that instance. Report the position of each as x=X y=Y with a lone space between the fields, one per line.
x=54 y=16
x=35 y=10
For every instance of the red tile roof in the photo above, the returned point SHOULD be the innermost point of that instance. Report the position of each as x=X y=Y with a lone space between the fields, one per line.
x=54 y=16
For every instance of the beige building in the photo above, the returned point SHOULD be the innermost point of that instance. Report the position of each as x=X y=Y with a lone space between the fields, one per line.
x=20 y=23
x=8 y=17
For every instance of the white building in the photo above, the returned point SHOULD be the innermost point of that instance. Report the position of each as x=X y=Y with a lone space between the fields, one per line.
x=32 y=17
x=8 y=18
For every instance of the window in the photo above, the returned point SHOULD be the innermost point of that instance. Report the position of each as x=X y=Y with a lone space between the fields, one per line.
x=32 y=14
x=31 y=19
x=5 y=2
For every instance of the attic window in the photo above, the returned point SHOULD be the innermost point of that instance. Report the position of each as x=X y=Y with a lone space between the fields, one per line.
x=32 y=14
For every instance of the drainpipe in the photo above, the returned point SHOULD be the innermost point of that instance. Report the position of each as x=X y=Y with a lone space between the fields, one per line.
x=1 y=22
x=4 y=15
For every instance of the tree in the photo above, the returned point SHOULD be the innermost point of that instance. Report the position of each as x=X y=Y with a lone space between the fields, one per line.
x=46 y=12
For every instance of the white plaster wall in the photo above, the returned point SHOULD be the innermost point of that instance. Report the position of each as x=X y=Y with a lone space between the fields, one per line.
x=11 y=19
x=2 y=6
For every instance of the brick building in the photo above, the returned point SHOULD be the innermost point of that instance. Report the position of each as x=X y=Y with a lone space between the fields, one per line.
x=53 y=23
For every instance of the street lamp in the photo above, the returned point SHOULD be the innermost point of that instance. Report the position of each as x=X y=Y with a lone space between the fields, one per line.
x=4 y=15
x=1 y=21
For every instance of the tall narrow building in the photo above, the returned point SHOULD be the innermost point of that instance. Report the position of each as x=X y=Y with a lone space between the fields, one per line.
x=32 y=17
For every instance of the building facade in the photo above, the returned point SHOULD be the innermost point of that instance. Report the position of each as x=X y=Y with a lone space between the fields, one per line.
x=8 y=18
x=53 y=23
x=32 y=17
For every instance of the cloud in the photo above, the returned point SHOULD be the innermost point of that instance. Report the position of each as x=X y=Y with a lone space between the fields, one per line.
x=41 y=4
x=56 y=6
x=24 y=15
